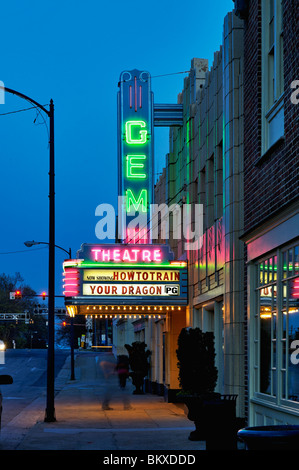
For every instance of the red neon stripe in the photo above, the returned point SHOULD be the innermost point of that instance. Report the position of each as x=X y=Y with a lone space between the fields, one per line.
x=140 y=97
x=130 y=91
x=135 y=94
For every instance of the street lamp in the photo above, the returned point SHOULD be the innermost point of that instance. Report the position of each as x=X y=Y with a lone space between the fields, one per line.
x=29 y=244
x=50 y=410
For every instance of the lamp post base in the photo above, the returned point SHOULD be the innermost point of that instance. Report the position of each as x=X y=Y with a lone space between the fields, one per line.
x=50 y=416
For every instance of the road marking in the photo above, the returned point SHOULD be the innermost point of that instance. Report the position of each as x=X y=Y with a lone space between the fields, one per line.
x=13 y=398
x=78 y=430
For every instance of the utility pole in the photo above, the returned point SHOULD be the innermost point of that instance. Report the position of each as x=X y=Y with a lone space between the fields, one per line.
x=50 y=409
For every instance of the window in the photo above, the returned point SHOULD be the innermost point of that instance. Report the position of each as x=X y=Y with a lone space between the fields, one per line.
x=210 y=191
x=219 y=182
x=276 y=329
x=290 y=323
x=272 y=72
x=267 y=308
x=202 y=195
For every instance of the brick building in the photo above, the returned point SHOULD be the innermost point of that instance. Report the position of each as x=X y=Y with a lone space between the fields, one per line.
x=271 y=206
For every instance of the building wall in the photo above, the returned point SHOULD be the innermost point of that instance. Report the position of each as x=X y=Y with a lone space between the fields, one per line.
x=233 y=201
x=271 y=217
x=205 y=166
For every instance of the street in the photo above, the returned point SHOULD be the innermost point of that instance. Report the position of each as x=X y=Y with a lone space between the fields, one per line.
x=28 y=369
x=130 y=422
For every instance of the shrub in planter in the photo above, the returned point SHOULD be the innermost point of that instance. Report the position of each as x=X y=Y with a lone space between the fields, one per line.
x=198 y=377
x=197 y=373
x=196 y=362
x=138 y=360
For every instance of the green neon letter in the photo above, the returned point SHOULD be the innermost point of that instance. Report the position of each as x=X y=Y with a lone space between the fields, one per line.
x=133 y=164
x=141 y=135
x=141 y=201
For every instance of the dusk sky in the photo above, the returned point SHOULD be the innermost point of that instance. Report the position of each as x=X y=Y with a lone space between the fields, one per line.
x=74 y=52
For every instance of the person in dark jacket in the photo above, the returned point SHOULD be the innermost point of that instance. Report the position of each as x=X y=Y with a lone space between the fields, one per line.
x=122 y=368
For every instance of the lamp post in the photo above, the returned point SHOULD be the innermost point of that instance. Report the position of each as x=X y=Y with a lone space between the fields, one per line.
x=50 y=410
x=32 y=243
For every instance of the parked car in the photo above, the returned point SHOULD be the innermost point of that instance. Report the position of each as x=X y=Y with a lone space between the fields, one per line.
x=4 y=380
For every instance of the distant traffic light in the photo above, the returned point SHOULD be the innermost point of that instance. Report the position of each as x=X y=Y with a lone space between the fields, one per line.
x=44 y=294
x=18 y=294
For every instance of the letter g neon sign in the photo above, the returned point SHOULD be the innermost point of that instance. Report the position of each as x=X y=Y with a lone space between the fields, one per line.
x=141 y=134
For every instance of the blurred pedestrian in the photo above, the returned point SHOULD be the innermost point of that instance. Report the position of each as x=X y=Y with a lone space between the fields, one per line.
x=109 y=372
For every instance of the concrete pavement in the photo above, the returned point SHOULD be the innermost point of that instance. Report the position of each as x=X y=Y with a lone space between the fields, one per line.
x=136 y=422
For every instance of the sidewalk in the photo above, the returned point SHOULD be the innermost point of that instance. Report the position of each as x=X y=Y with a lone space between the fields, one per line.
x=81 y=424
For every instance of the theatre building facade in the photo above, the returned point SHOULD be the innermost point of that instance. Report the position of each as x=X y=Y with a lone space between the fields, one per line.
x=205 y=166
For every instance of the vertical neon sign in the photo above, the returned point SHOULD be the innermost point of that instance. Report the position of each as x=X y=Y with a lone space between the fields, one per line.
x=135 y=154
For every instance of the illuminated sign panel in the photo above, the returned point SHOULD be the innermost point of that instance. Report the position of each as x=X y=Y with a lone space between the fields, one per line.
x=125 y=253
x=131 y=289
x=125 y=274
x=130 y=275
x=135 y=152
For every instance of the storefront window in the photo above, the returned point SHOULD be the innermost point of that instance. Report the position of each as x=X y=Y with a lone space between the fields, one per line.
x=290 y=337
x=277 y=325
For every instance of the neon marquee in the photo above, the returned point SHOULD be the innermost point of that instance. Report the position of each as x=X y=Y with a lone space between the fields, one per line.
x=125 y=253
x=125 y=274
x=129 y=255
x=135 y=150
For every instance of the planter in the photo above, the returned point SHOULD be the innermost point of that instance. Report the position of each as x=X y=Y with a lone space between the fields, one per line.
x=138 y=360
x=214 y=416
x=279 y=437
x=137 y=380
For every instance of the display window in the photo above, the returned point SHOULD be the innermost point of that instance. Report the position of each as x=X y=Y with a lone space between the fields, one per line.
x=276 y=326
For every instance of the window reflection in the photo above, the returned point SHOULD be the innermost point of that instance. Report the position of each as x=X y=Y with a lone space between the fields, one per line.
x=278 y=329
x=293 y=335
